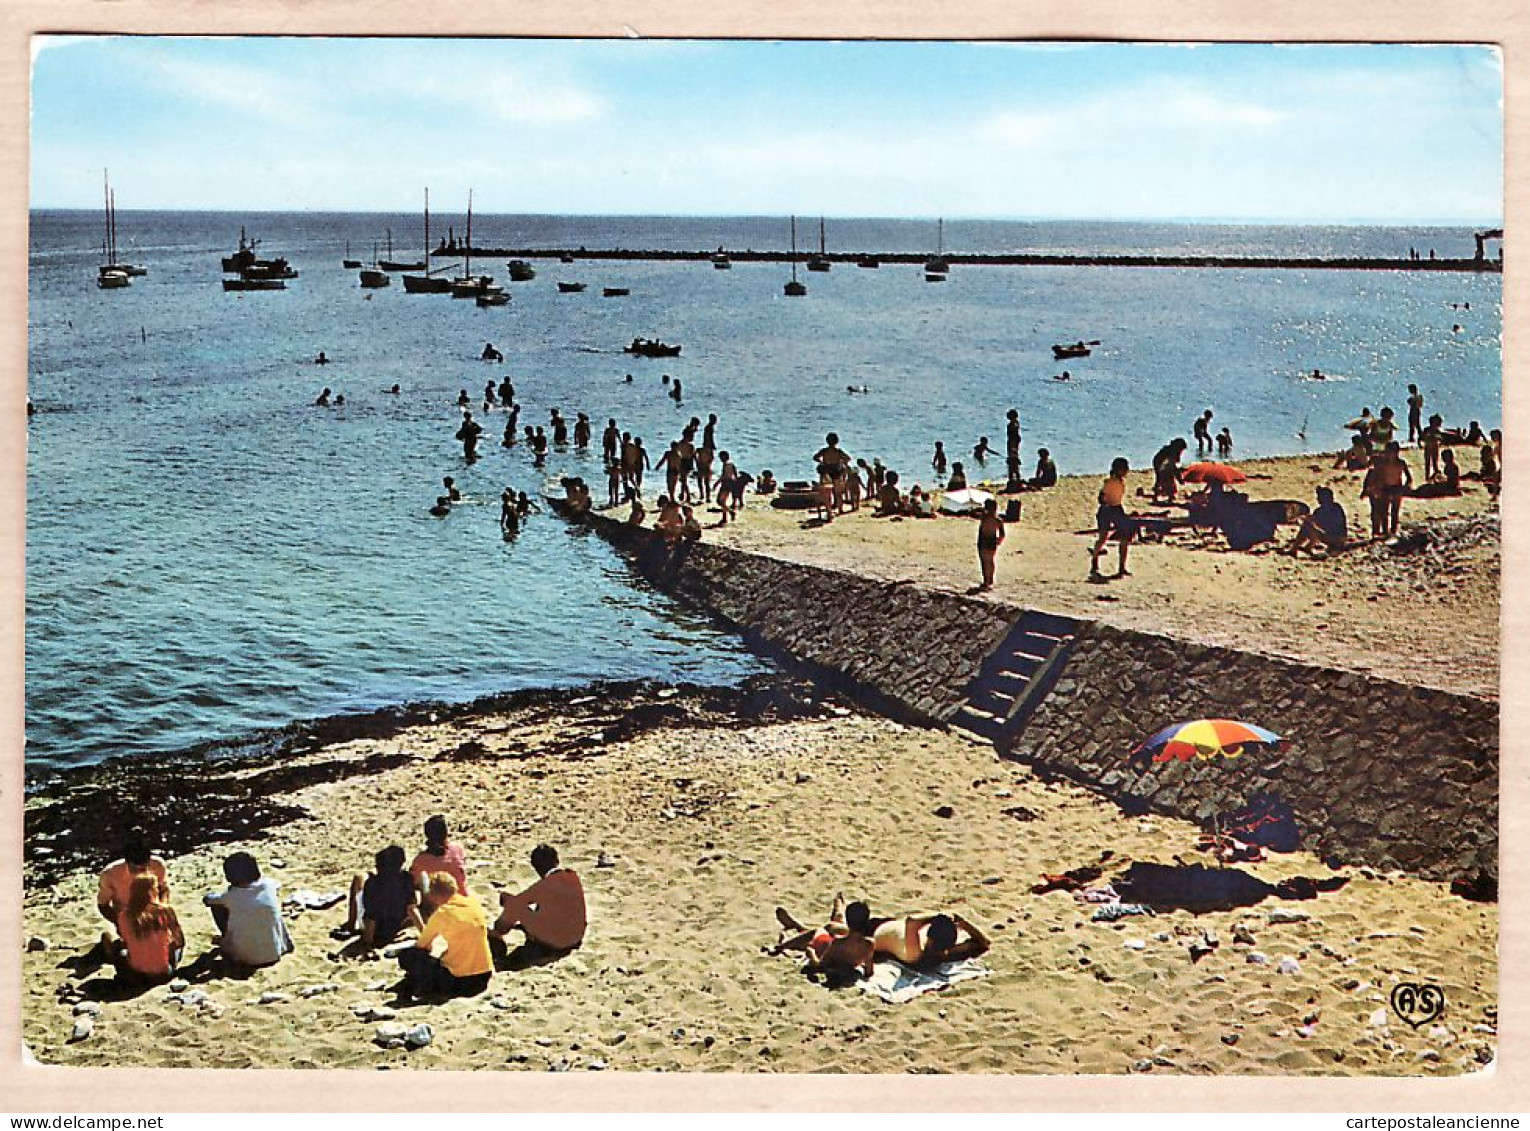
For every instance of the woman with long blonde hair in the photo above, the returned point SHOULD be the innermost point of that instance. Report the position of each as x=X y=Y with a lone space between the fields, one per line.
x=151 y=939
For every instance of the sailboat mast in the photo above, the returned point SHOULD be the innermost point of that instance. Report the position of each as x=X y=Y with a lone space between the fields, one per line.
x=106 y=204
x=114 y=227
x=794 y=249
x=820 y=237
x=467 y=248
x=427 y=231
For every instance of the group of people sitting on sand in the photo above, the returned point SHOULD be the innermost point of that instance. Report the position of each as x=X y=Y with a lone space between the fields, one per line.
x=452 y=951
x=848 y=945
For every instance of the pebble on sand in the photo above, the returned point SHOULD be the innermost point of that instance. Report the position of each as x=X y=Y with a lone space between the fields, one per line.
x=271 y=997
x=37 y=942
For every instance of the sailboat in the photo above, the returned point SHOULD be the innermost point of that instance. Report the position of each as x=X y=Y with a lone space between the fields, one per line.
x=794 y=289
x=819 y=262
x=351 y=264
x=427 y=284
x=469 y=285
x=374 y=276
x=935 y=270
x=113 y=275
x=391 y=264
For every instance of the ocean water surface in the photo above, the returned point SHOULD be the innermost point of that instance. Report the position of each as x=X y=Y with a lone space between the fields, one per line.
x=209 y=555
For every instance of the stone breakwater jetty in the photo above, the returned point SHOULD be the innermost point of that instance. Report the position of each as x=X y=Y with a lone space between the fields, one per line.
x=1006 y=259
x=1379 y=772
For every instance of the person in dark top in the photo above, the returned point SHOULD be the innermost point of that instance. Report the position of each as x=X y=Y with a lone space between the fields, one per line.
x=381 y=904
x=1166 y=470
x=1415 y=414
x=610 y=441
x=451 y=489
x=709 y=433
x=463 y=400
x=938 y=462
x=1046 y=472
x=1327 y=526
x=1201 y=429
x=468 y=434
x=506 y=391
x=323 y=399
x=958 y=480
x=582 y=432
x=509 y=516
x=1012 y=434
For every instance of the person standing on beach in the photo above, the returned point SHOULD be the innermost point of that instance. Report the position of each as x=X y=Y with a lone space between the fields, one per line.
x=709 y=433
x=727 y=488
x=1415 y=414
x=990 y=534
x=1012 y=436
x=1202 y=431
x=670 y=463
x=1111 y=519
x=640 y=463
x=249 y=915
x=685 y=450
x=468 y=434
x=611 y=442
x=1432 y=438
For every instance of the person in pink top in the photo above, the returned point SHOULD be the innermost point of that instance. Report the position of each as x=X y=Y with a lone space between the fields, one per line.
x=441 y=855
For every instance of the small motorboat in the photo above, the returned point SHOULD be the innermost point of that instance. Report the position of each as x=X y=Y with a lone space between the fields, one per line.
x=644 y=347
x=870 y=261
x=374 y=277
x=615 y=292
x=520 y=271
x=494 y=296
x=350 y=264
x=934 y=277
x=565 y=258
x=244 y=283
x=721 y=262
x=571 y=288
x=1077 y=349
x=471 y=286
x=795 y=495
x=111 y=278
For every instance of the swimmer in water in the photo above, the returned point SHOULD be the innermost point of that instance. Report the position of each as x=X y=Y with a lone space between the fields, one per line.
x=463 y=400
x=509 y=517
x=468 y=434
x=674 y=391
x=321 y=359
x=451 y=489
x=394 y=390
x=506 y=391
x=442 y=508
x=1063 y=376
x=627 y=379
x=323 y=399
x=339 y=399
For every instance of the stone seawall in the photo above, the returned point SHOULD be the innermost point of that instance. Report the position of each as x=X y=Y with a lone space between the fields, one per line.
x=1379 y=772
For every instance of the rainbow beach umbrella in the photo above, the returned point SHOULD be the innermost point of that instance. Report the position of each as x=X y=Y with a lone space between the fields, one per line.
x=1204 y=739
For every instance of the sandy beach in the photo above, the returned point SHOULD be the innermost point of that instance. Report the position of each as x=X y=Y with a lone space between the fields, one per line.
x=1426 y=616
x=710 y=821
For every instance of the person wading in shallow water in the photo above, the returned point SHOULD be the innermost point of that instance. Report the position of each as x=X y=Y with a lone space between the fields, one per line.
x=468 y=434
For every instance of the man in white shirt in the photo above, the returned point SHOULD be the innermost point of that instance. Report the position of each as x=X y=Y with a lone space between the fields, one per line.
x=249 y=915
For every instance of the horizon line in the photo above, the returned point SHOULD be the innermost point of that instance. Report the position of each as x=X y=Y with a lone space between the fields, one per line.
x=1199 y=221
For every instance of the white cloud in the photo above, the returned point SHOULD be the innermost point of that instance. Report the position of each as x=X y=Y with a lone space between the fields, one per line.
x=520 y=97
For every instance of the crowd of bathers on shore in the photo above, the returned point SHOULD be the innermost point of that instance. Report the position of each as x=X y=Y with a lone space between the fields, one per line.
x=697 y=473
x=436 y=929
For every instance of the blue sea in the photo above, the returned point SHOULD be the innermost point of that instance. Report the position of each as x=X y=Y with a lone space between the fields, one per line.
x=208 y=555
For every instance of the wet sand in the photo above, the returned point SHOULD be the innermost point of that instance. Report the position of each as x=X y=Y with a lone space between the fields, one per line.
x=709 y=824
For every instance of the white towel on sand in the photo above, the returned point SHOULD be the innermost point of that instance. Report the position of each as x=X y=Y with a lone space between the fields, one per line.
x=896 y=983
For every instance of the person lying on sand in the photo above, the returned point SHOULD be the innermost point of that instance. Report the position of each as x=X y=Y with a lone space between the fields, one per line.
x=551 y=912
x=451 y=957
x=929 y=940
x=381 y=904
x=842 y=945
x=441 y=854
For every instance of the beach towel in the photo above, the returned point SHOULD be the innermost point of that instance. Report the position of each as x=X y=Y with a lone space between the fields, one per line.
x=896 y=983
x=314 y=900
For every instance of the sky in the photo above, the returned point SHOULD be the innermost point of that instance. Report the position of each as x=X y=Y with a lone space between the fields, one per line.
x=1240 y=133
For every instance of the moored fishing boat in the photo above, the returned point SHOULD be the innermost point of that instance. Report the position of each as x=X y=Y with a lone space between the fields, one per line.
x=1077 y=349
x=571 y=288
x=794 y=289
x=520 y=271
x=615 y=292
x=650 y=347
x=819 y=262
x=720 y=262
x=428 y=283
x=493 y=296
